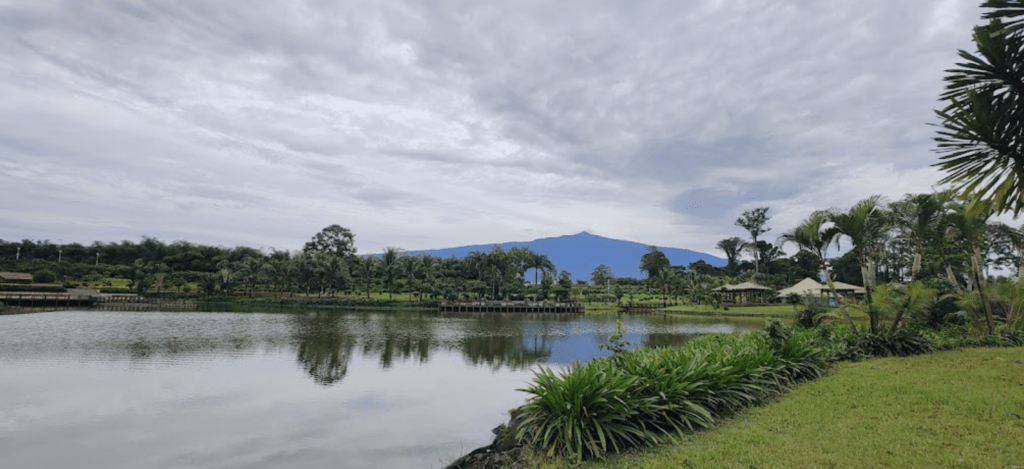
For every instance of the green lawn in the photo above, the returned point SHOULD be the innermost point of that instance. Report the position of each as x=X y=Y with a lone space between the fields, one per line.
x=780 y=310
x=958 y=409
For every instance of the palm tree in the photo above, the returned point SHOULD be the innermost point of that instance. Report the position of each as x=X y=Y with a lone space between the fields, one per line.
x=813 y=236
x=864 y=225
x=540 y=264
x=410 y=266
x=428 y=266
x=664 y=280
x=249 y=269
x=917 y=218
x=969 y=223
x=389 y=265
x=366 y=267
x=980 y=134
x=1011 y=244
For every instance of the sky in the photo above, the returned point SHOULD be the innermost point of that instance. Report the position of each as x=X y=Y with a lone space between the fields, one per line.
x=426 y=125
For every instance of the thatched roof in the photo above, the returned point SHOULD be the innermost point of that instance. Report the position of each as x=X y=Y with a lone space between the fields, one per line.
x=745 y=286
x=805 y=287
x=847 y=287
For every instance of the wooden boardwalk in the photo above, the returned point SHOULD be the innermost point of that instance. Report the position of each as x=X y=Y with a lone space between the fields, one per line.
x=91 y=298
x=524 y=307
x=47 y=299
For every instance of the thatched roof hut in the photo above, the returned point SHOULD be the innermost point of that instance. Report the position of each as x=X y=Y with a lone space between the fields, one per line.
x=805 y=287
x=745 y=293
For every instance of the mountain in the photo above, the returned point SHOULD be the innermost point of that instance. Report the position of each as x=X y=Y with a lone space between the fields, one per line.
x=581 y=253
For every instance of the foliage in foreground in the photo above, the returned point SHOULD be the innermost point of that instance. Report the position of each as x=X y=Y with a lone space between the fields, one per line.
x=956 y=409
x=642 y=397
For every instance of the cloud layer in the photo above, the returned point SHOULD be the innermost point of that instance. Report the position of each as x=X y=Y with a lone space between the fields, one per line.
x=435 y=124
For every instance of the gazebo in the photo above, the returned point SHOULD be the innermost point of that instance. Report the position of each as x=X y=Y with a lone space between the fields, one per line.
x=805 y=287
x=853 y=291
x=746 y=293
x=809 y=287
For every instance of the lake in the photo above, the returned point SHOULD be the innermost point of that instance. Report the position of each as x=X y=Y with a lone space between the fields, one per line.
x=282 y=389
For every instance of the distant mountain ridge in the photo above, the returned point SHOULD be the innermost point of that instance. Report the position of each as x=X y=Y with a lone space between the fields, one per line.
x=580 y=253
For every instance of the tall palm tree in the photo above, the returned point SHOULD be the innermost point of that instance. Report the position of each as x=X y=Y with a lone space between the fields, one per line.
x=1012 y=240
x=814 y=236
x=540 y=264
x=389 y=265
x=969 y=223
x=366 y=267
x=980 y=134
x=410 y=267
x=664 y=281
x=917 y=218
x=864 y=225
x=428 y=266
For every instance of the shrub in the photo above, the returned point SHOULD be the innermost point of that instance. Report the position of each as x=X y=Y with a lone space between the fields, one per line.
x=584 y=411
x=639 y=397
x=20 y=287
x=44 y=276
x=904 y=342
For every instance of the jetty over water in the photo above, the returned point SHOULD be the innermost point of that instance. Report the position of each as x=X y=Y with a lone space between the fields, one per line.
x=530 y=307
x=82 y=297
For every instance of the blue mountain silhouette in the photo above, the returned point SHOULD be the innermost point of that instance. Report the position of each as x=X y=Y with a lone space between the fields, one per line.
x=580 y=253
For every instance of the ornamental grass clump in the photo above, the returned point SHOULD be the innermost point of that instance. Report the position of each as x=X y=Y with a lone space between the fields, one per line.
x=641 y=397
x=587 y=411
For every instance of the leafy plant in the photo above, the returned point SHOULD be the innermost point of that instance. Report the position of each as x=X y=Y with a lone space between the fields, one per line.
x=615 y=341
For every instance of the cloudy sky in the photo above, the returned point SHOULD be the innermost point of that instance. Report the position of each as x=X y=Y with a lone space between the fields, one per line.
x=444 y=123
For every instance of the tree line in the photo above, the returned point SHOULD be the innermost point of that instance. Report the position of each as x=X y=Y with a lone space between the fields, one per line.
x=326 y=266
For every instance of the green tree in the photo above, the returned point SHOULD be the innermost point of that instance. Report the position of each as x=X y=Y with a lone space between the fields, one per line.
x=389 y=266
x=732 y=248
x=864 y=225
x=917 y=217
x=753 y=221
x=653 y=261
x=969 y=223
x=366 y=268
x=813 y=237
x=333 y=239
x=981 y=135
x=410 y=267
x=601 y=275
x=540 y=265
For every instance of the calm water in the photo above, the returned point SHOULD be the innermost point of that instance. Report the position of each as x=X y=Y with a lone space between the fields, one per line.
x=298 y=389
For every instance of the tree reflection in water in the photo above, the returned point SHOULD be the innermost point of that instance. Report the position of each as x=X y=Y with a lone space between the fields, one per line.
x=325 y=346
x=404 y=335
x=512 y=351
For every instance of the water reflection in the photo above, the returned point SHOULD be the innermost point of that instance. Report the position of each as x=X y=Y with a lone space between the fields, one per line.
x=324 y=346
x=325 y=342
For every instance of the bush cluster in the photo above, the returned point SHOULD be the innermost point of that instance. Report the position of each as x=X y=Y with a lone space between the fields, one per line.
x=641 y=397
x=37 y=288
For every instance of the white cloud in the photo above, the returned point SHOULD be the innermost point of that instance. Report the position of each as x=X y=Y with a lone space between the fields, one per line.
x=428 y=125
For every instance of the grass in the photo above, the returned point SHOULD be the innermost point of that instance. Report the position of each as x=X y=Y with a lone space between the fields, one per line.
x=957 y=409
x=780 y=310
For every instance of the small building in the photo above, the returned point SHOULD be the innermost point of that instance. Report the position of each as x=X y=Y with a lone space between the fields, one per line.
x=850 y=291
x=15 y=277
x=746 y=293
x=805 y=287
x=809 y=287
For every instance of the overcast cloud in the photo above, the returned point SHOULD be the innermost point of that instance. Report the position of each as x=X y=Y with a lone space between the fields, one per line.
x=444 y=123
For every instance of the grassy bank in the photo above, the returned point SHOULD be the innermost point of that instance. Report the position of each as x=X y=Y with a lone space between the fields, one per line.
x=962 y=408
x=779 y=310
